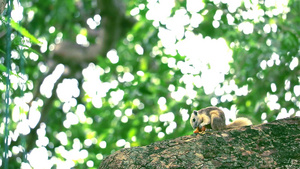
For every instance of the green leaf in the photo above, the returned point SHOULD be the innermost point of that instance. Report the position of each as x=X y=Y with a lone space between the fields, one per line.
x=2 y=51
x=24 y=32
x=29 y=49
x=2 y=68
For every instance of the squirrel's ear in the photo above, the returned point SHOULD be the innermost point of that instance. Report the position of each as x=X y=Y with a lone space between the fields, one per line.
x=195 y=112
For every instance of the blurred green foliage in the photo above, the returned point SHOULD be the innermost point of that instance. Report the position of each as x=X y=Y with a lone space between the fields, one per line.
x=265 y=61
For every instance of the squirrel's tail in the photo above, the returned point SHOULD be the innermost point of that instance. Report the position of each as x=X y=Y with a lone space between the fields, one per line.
x=239 y=122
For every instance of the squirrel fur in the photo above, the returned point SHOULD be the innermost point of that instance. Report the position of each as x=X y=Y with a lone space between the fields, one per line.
x=214 y=118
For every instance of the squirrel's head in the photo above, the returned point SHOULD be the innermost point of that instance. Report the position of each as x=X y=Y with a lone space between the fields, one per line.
x=202 y=116
x=194 y=120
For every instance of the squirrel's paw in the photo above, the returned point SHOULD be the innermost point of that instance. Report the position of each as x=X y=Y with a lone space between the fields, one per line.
x=198 y=130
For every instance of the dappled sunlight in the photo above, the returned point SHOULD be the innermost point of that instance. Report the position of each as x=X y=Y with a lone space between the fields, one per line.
x=185 y=114
x=297 y=90
x=269 y=63
x=18 y=111
x=102 y=144
x=48 y=83
x=80 y=113
x=17 y=12
x=294 y=63
x=138 y=104
x=230 y=113
x=194 y=6
x=67 y=90
x=34 y=114
x=159 y=11
x=179 y=56
x=124 y=119
x=148 y=129
x=284 y=113
x=167 y=117
x=171 y=127
x=127 y=77
x=202 y=55
x=41 y=154
x=71 y=119
x=139 y=49
x=162 y=103
x=113 y=56
x=82 y=40
x=271 y=101
x=94 y=22
x=42 y=140
x=23 y=127
x=160 y=134
x=246 y=27
x=51 y=29
x=122 y=143
x=95 y=89
x=116 y=97
x=62 y=137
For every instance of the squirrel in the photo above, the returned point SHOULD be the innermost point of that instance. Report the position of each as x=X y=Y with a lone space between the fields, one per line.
x=214 y=118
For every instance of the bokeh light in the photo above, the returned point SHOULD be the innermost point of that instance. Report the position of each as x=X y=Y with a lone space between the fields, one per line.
x=206 y=63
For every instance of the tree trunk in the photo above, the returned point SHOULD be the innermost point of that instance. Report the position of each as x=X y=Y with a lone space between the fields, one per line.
x=269 y=145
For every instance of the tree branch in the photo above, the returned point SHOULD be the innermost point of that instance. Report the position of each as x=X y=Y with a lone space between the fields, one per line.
x=270 y=145
x=114 y=25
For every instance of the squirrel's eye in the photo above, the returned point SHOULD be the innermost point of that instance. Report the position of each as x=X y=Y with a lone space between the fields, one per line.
x=194 y=120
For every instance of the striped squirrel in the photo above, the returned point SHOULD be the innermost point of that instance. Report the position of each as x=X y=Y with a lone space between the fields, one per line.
x=214 y=118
